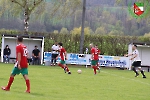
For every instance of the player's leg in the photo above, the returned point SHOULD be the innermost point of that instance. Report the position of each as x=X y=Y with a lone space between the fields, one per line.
x=135 y=64
x=11 y=78
x=134 y=69
x=24 y=72
x=52 y=59
x=61 y=64
x=93 y=63
x=10 y=81
x=55 y=59
x=142 y=72
x=97 y=66
x=66 y=69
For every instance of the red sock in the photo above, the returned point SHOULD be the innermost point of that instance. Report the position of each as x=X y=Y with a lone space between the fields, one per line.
x=61 y=66
x=94 y=67
x=97 y=68
x=97 y=64
x=11 y=79
x=28 y=84
x=67 y=69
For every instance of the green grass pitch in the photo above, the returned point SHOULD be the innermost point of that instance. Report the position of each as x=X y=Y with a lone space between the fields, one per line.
x=51 y=83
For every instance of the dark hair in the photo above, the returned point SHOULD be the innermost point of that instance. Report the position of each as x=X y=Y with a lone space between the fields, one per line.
x=135 y=45
x=7 y=46
x=60 y=44
x=35 y=45
x=20 y=39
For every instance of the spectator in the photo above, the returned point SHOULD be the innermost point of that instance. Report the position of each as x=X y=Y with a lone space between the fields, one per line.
x=55 y=49
x=7 y=53
x=36 y=56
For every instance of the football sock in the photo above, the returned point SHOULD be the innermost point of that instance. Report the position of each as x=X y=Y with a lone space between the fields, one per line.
x=51 y=61
x=61 y=66
x=97 y=68
x=142 y=72
x=94 y=67
x=11 y=79
x=28 y=84
x=97 y=64
x=94 y=70
x=135 y=70
x=67 y=69
x=55 y=61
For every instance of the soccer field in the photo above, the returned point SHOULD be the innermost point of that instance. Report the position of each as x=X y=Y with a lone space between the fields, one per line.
x=51 y=83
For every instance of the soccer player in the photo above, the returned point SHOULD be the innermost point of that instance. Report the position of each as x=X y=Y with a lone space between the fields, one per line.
x=98 y=51
x=137 y=61
x=63 y=56
x=21 y=65
x=94 y=58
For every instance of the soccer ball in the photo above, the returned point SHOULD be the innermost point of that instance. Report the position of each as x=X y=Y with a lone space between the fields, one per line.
x=79 y=71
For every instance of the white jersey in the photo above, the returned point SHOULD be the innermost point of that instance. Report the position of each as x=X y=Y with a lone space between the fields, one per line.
x=55 y=49
x=137 y=58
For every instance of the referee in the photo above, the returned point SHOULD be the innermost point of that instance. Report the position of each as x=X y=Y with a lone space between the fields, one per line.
x=136 y=61
x=55 y=49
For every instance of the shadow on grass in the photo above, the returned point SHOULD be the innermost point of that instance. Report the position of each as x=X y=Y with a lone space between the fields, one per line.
x=37 y=94
x=2 y=79
x=32 y=93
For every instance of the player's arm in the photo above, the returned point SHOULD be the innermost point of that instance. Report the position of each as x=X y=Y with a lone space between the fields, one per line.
x=92 y=54
x=99 y=52
x=65 y=53
x=18 y=49
x=127 y=55
x=19 y=59
x=28 y=54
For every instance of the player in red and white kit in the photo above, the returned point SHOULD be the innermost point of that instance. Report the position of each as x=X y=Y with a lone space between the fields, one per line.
x=21 y=65
x=94 y=58
x=63 y=57
x=98 y=51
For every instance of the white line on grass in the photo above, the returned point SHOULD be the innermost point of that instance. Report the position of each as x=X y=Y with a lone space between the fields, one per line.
x=126 y=78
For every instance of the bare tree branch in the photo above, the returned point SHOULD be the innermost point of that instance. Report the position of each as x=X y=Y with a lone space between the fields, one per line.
x=35 y=5
x=17 y=2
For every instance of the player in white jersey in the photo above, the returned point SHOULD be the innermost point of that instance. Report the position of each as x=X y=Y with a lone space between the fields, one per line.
x=136 y=61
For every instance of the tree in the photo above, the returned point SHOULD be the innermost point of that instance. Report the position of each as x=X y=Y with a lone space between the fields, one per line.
x=26 y=6
x=38 y=6
x=147 y=34
x=75 y=31
x=116 y=32
x=101 y=30
x=64 y=31
x=56 y=31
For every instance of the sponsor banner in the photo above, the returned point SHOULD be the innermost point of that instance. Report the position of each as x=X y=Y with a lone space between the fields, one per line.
x=47 y=56
x=84 y=59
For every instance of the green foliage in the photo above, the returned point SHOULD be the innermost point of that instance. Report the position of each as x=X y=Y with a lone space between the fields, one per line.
x=101 y=30
x=64 y=30
x=78 y=30
x=108 y=44
x=55 y=15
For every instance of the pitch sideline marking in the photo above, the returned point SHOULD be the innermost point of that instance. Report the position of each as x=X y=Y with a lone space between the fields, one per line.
x=126 y=78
